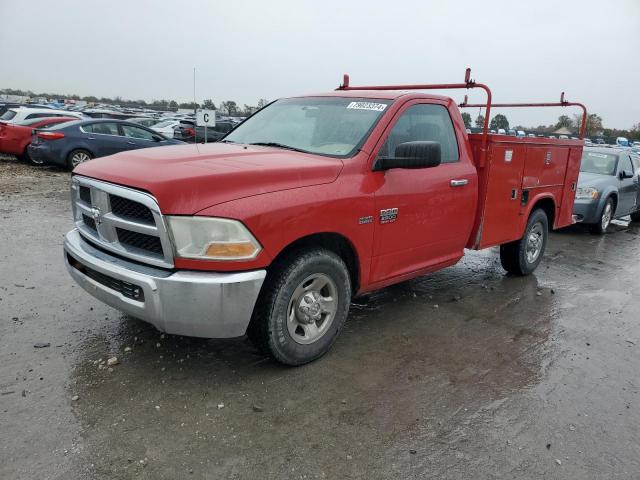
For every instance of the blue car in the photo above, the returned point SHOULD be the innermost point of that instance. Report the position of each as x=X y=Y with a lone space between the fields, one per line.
x=71 y=143
x=608 y=187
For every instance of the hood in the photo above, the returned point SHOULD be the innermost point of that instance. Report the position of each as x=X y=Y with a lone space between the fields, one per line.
x=595 y=180
x=188 y=178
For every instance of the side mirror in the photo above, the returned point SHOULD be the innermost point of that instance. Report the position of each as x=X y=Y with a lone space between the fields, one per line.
x=411 y=155
x=624 y=175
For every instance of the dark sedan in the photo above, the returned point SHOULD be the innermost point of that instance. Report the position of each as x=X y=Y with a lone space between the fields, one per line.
x=221 y=128
x=72 y=143
x=608 y=187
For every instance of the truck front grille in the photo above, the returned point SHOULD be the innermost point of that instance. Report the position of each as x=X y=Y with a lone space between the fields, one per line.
x=129 y=209
x=139 y=240
x=89 y=222
x=121 y=220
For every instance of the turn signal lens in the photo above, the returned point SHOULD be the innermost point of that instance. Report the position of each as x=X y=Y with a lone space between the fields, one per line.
x=230 y=250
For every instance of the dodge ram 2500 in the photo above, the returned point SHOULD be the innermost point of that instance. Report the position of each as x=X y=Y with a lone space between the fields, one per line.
x=309 y=202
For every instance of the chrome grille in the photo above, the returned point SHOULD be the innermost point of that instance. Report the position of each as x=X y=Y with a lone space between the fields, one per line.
x=122 y=220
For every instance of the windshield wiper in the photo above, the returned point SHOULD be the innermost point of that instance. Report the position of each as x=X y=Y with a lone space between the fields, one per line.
x=279 y=145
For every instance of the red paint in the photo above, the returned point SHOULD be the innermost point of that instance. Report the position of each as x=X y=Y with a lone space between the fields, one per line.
x=14 y=139
x=283 y=196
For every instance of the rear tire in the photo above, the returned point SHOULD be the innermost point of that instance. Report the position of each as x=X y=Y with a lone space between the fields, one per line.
x=302 y=307
x=635 y=216
x=78 y=156
x=523 y=256
x=25 y=157
x=605 y=218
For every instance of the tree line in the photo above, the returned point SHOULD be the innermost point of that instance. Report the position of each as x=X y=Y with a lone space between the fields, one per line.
x=227 y=107
x=594 y=125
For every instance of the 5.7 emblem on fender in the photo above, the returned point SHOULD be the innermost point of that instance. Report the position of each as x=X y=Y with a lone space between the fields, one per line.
x=388 y=215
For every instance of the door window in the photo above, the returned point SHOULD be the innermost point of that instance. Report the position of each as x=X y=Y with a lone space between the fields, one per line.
x=424 y=122
x=626 y=165
x=101 y=128
x=136 y=132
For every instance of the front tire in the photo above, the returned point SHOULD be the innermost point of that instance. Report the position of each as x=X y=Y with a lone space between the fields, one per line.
x=302 y=307
x=523 y=256
x=78 y=156
x=605 y=218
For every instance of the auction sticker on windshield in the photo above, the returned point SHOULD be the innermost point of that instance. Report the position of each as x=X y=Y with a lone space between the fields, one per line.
x=378 y=107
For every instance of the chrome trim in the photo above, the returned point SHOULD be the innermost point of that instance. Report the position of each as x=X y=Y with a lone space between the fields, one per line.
x=199 y=304
x=106 y=221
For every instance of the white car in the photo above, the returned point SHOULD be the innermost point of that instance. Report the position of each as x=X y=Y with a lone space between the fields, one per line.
x=169 y=127
x=19 y=114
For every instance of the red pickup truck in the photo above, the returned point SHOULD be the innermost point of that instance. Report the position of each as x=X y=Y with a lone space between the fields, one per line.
x=311 y=201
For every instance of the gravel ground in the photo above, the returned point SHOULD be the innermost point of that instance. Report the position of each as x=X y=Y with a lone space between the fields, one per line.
x=463 y=374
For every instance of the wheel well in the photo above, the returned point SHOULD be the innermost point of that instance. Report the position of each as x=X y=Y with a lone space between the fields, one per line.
x=549 y=207
x=334 y=242
x=613 y=196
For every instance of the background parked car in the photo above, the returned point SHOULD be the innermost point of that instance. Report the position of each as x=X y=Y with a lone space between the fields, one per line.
x=176 y=128
x=608 y=187
x=16 y=137
x=20 y=114
x=72 y=143
x=214 y=134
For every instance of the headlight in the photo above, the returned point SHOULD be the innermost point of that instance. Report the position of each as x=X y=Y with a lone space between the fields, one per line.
x=587 y=192
x=212 y=238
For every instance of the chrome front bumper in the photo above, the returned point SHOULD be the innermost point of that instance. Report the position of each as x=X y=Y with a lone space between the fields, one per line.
x=198 y=304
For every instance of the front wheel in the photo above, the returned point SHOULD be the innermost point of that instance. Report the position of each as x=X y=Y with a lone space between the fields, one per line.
x=302 y=308
x=523 y=256
x=605 y=218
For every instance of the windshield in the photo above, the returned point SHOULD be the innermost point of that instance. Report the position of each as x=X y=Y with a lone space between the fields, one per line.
x=600 y=163
x=8 y=115
x=333 y=126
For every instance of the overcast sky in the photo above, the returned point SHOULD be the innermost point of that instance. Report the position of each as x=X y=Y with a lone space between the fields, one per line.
x=246 y=50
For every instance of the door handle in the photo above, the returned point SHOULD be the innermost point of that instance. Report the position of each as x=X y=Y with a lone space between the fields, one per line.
x=131 y=143
x=91 y=138
x=459 y=182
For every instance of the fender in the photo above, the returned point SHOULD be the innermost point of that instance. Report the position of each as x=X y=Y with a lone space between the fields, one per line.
x=609 y=191
x=533 y=201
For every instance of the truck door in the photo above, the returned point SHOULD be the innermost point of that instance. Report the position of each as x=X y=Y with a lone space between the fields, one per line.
x=628 y=186
x=423 y=216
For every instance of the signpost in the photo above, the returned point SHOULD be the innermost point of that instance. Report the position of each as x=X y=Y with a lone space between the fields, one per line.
x=206 y=119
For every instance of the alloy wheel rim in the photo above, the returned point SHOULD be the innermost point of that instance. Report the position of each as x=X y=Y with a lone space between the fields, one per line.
x=535 y=240
x=312 y=308
x=606 y=216
x=79 y=158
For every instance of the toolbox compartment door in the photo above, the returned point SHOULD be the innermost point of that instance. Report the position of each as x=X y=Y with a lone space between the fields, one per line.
x=502 y=195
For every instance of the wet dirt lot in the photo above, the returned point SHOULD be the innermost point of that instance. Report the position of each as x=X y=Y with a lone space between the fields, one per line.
x=464 y=374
